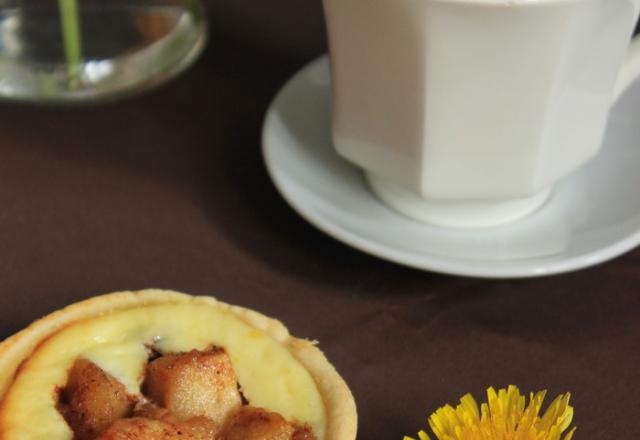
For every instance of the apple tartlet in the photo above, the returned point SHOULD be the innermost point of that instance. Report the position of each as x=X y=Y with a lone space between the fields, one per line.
x=159 y=365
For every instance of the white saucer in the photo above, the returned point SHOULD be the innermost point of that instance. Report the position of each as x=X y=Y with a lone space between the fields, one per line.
x=592 y=216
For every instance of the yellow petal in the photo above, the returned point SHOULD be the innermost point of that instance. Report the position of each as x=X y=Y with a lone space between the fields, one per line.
x=570 y=434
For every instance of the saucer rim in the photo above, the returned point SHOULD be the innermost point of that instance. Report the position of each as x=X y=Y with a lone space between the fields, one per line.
x=476 y=268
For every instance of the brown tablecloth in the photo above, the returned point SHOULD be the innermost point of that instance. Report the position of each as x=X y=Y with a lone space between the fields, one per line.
x=169 y=190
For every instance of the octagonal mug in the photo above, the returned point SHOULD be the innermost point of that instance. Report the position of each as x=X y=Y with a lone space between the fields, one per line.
x=465 y=113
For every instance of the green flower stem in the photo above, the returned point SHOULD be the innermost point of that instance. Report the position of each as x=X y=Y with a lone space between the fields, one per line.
x=71 y=34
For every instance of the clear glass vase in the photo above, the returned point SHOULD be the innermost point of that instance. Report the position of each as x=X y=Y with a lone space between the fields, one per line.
x=84 y=50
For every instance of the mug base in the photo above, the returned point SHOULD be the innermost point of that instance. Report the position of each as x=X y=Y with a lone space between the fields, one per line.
x=472 y=214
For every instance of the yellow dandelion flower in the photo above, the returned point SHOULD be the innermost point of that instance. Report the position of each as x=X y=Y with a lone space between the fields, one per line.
x=505 y=416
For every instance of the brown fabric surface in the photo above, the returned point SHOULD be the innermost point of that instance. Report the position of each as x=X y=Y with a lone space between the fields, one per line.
x=169 y=190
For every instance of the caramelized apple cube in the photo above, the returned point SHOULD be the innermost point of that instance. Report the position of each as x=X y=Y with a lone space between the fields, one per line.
x=139 y=428
x=194 y=384
x=199 y=427
x=94 y=400
x=251 y=423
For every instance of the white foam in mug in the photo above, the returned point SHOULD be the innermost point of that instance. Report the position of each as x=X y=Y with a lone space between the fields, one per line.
x=467 y=112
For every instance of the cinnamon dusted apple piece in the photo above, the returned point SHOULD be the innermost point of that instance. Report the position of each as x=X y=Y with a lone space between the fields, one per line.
x=92 y=400
x=194 y=384
x=200 y=427
x=249 y=423
x=140 y=428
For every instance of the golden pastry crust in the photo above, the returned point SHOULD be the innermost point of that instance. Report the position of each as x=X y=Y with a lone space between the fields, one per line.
x=341 y=416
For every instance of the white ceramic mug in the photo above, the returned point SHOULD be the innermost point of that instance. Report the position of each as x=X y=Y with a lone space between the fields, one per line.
x=467 y=112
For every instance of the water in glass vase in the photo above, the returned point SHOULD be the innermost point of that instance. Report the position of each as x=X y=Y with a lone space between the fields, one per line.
x=83 y=50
